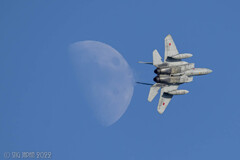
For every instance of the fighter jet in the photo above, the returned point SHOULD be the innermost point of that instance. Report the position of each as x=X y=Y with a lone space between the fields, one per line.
x=171 y=73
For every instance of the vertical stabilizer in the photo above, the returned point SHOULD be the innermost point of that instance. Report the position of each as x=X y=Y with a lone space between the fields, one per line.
x=157 y=59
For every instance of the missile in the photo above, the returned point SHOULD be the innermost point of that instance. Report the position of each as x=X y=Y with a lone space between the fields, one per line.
x=198 y=71
x=178 y=92
x=182 y=56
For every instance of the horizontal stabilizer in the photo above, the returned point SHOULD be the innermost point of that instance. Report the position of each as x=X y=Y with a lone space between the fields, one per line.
x=157 y=59
x=153 y=92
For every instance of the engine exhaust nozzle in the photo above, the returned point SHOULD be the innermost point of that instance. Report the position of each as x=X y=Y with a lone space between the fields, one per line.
x=156 y=79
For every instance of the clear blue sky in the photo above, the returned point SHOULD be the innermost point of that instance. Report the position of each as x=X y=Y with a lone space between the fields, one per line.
x=42 y=107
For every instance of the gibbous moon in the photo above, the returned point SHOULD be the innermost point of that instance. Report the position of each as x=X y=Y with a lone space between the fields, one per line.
x=105 y=77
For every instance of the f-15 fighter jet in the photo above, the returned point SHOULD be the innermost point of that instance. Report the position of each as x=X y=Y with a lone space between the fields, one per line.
x=171 y=73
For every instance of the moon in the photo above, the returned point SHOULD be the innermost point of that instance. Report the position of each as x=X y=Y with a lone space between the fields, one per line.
x=105 y=77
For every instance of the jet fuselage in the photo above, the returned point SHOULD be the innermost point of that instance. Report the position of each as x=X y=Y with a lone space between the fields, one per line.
x=178 y=73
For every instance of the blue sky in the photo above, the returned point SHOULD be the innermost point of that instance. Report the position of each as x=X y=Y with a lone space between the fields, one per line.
x=42 y=106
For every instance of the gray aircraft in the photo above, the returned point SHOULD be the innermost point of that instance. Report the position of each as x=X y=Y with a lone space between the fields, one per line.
x=171 y=73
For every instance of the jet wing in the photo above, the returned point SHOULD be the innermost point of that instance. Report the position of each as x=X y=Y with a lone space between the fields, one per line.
x=165 y=98
x=170 y=47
